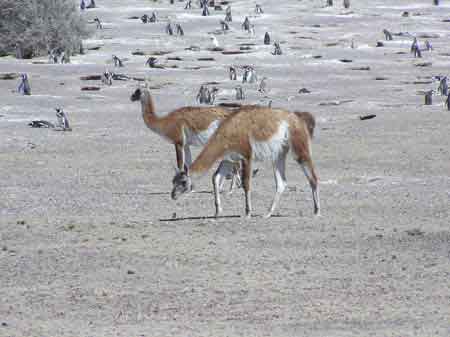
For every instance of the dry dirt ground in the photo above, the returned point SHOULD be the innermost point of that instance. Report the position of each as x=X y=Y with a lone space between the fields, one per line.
x=92 y=244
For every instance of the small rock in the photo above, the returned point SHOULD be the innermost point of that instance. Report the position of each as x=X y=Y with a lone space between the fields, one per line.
x=70 y=227
x=366 y=68
x=367 y=117
x=424 y=64
x=428 y=36
x=91 y=88
x=9 y=76
x=415 y=232
x=91 y=78
x=130 y=272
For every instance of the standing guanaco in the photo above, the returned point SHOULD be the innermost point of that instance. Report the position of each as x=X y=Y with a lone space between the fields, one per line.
x=256 y=133
x=184 y=126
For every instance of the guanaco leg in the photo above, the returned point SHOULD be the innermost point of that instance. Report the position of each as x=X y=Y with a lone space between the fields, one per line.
x=246 y=182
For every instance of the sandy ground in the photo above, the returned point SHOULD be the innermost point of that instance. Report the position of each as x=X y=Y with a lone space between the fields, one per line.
x=92 y=244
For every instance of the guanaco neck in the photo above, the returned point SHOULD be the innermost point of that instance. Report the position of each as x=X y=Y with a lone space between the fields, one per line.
x=150 y=116
x=148 y=106
x=212 y=152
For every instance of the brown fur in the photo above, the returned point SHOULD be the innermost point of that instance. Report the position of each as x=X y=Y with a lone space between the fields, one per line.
x=174 y=125
x=259 y=123
x=247 y=130
x=309 y=120
x=171 y=126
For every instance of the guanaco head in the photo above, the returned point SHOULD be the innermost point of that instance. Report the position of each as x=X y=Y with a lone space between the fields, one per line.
x=136 y=96
x=181 y=184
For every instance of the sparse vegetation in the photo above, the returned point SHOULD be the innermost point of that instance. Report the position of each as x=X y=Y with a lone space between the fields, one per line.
x=31 y=28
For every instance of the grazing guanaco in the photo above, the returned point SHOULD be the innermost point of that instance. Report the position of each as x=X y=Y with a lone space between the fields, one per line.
x=182 y=127
x=256 y=133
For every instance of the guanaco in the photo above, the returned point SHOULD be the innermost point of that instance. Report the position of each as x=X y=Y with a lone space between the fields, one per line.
x=256 y=133
x=183 y=127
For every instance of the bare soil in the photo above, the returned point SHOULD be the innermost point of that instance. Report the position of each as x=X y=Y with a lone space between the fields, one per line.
x=92 y=245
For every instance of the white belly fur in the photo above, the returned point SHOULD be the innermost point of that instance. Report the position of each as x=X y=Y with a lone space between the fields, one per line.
x=201 y=138
x=271 y=148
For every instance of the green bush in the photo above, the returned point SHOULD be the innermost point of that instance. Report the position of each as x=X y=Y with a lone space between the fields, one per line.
x=33 y=27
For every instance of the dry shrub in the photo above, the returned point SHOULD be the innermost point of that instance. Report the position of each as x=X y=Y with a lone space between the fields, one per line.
x=33 y=27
